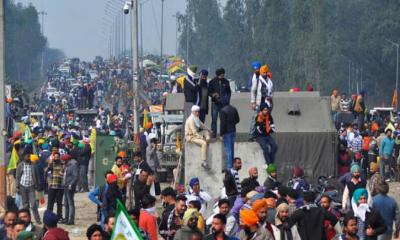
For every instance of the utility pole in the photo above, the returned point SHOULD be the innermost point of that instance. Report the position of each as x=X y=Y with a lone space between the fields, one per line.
x=397 y=45
x=349 y=78
x=162 y=36
x=135 y=66
x=141 y=32
x=187 y=40
x=3 y=167
x=176 y=16
x=42 y=13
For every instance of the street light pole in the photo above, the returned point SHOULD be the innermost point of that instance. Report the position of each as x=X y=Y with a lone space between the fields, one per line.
x=141 y=32
x=176 y=16
x=135 y=66
x=162 y=36
x=397 y=45
x=42 y=13
x=3 y=167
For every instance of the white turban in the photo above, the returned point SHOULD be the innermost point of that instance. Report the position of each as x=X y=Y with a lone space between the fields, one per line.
x=195 y=108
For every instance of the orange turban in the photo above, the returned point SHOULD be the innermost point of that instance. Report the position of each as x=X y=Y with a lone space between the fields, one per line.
x=122 y=154
x=248 y=217
x=34 y=158
x=264 y=70
x=259 y=204
x=271 y=202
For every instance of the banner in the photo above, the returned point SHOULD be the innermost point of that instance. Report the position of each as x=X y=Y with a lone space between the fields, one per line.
x=124 y=228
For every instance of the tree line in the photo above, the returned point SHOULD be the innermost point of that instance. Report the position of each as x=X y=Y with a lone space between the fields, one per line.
x=342 y=44
x=24 y=45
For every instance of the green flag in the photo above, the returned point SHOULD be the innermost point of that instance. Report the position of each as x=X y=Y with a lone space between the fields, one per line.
x=124 y=228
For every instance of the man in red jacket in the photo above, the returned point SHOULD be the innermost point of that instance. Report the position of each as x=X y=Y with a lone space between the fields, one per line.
x=53 y=232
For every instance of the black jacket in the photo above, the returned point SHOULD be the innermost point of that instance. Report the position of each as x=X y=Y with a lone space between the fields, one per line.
x=140 y=189
x=229 y=117
x=191 y=90
x=110 y=199
x=310 y=222
x=220 y=91
x=250 y=183
x=373 y=219
x=230 y=183
x=168 y=225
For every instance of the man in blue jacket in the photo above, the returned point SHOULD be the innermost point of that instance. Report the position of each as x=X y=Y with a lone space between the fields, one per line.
x=387 y=208
x=386 y=153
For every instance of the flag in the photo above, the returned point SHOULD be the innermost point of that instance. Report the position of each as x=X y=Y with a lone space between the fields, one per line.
x=145 y=118
x=178 y=144
x=12 y=164
x=124 y=227
x=27 y=134
x=92 y=140
x=394 y=99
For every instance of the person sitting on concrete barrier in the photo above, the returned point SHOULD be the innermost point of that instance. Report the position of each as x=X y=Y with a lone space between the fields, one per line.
x=265 y=127
x=261 y=92
x=196 y=132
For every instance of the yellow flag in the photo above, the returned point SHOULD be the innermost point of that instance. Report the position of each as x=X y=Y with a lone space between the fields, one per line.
x=92 y=140
x=12 y=164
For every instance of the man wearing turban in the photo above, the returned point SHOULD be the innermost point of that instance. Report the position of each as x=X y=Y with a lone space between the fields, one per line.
x=282 y=229
x=251 y=230
x=189 y=227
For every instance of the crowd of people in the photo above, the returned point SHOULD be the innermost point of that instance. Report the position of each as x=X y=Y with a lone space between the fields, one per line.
x=197 y=91
x=51 y=155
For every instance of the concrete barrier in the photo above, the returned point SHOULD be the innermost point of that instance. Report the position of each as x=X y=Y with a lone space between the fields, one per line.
x=212 y=181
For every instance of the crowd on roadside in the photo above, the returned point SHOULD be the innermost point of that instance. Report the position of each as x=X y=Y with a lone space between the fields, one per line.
x=51 y=154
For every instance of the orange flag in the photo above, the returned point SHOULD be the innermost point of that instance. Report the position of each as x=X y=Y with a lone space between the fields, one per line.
x=394 y=99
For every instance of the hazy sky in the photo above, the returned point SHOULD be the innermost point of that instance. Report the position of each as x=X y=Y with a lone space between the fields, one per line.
x=79 y=27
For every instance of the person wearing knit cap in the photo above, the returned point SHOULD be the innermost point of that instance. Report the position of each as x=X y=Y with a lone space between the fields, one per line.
x=282 y=229
x=195 y=193
x=369 y=221
x=50 y=221
x=251 y=229
x=261 y=93
x=196 y=132
x=387 y=207
x=351 y=186
x=376 y=178
x=203 y=95
x=189 y=227
x=271 y=182
x=265 y=127
x=191 y=89
x=220 y=91
x=55 y=183
x=70 y=181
